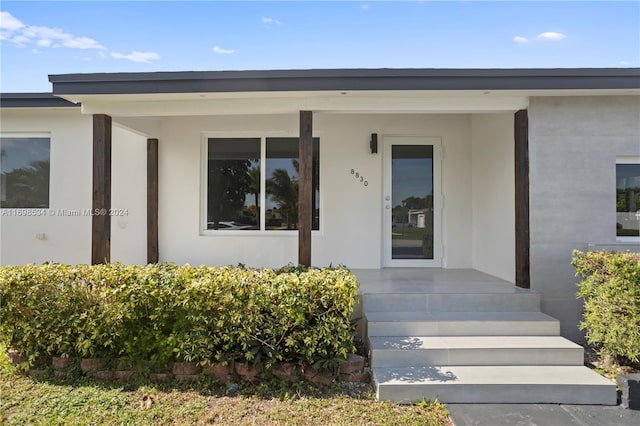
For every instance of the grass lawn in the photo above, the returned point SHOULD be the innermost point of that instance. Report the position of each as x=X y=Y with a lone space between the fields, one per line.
x=406 y=233
x=51 y=400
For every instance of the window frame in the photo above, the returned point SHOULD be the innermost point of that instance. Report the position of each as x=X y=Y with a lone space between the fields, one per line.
x=262 y=232
x=26 y=135
x=631 y=159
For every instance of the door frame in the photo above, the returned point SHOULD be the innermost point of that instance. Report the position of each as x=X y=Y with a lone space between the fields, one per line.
x=387 y=142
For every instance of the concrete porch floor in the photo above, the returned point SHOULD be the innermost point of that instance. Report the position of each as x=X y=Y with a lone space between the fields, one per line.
x=430 y=280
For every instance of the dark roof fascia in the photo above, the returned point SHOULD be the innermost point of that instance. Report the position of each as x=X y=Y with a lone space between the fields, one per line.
x=346 y=80
x=33 y=100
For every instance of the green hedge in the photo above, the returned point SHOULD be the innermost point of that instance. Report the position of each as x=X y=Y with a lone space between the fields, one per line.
x=611 y=293
x=166 y=313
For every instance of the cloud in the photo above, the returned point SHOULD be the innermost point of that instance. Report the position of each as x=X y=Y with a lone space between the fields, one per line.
x=220 y=51
x=365 y=7
x=20 y=40
x=44 y=42
x=270 y=21
x=520 y=39
x=550 y=35
x=21 y=35
x=9 y=23
x=135 y=56
x=82 y=43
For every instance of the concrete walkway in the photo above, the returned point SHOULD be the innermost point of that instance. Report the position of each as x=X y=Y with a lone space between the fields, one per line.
x=541 y=415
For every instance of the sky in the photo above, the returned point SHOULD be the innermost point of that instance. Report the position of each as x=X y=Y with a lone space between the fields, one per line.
x=60 y=37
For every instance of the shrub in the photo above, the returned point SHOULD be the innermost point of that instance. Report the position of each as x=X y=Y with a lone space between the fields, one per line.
x=611 y=293
x=165 y=313
x=45 y=316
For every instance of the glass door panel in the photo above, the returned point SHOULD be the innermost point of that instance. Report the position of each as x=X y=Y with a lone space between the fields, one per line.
x=412 y=202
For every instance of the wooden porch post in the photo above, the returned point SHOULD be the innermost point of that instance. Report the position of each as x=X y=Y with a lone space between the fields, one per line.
x=152 y=201
x=521 y=127
x=101 y=200
x=305 y=189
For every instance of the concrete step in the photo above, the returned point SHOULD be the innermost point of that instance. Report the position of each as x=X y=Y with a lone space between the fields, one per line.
x=461 y=324
x=512 y=299
x=399 y=351
x=494 y=384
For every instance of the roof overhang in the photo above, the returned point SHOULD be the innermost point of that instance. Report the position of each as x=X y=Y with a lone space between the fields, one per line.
x=346 y=79
x=334 y=91
x=33 y=100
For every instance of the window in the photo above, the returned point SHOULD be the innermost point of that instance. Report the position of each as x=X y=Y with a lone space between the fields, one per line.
x=628 y=199
x=239 y=196
x=24 y=172
x=233 y=184
x=282 y=184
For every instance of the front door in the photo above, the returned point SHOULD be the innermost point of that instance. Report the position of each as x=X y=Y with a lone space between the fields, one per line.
x=412 y=201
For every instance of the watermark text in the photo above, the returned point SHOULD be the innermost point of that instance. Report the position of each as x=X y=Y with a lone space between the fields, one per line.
x=63 y=212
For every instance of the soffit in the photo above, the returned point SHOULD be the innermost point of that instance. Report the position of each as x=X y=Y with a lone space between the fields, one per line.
x=248 y=103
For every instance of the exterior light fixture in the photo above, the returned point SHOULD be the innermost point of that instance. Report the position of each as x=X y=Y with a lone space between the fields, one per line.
x=373 y=144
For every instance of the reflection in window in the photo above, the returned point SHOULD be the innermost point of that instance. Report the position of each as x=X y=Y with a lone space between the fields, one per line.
x=412 y=199
x=233 y=184
x=24 y=172
x=628 y=200
x=282 y=183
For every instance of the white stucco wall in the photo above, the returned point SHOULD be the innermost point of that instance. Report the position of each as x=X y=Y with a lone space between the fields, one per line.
x=476 y=172
x=573 y=144
x=67 y=238
x=351 y=213
x=493 y=195
x=128 y=197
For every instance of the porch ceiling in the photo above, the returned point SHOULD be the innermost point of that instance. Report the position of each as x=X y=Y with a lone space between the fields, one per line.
x=343 y=102
x=189 y=104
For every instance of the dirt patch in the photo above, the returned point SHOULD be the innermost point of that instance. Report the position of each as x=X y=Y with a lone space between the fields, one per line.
x=608 y=366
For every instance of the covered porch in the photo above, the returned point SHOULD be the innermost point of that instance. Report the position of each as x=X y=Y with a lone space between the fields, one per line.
x=477 y=199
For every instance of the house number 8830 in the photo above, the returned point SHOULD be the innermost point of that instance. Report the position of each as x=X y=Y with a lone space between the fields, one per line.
x=359 y=177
